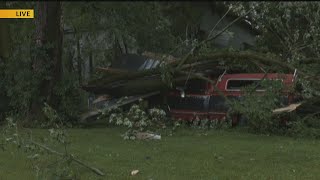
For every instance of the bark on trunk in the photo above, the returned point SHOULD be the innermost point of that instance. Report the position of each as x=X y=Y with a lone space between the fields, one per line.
x=4 y=39
x=4 y=36
x=79 y=62
x=48 y=39
x=69 y=62
x=91 y=64
x=4 y=54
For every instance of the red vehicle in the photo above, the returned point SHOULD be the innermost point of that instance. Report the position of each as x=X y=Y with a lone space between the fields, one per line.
x=199 y=98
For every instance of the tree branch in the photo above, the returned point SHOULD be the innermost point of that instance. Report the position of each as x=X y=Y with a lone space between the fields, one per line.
x=93 y=169
x=214 y=27
x=208 y=80
x=210 y=38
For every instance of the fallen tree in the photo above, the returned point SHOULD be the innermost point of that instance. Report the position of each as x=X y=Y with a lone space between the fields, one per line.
x=137 y=82
x=125 y=83
x=194 y=65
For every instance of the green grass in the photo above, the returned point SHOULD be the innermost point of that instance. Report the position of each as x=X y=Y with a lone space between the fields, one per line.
x=188 y=154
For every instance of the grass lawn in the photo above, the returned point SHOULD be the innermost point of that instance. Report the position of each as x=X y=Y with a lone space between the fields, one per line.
x=188 y=154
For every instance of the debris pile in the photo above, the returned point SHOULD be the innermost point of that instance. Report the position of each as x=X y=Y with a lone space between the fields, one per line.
x=137 y=77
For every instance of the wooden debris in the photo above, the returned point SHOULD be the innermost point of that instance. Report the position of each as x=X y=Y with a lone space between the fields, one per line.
x=112 y=70
x=71 y=157
x=134 y=172
x=157 y=56
x=146 y=136
x=140 y=82
x=114 y=103
x=289 y=108
x=90 y=114
x=101 y=98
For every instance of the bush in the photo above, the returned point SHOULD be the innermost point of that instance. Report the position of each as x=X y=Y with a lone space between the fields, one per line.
x=257 y=108
x=72 y=98
x=304 y=127
x=313 y=122
x=137 y=119
x=211 y=124
x=299 y=129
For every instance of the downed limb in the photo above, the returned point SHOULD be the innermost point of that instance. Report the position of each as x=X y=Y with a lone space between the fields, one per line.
x=89 y=114
x=140 y=82
x=112 y=70
x=210 y=38
x=168 y=58
x=290 y=108
x=13 y=135
x=106 y=78
x=93 y=169
x=101 y=98
x=248 y=56
x=149 y=80
x=208 y=80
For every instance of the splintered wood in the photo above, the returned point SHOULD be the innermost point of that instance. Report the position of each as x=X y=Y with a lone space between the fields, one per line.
x=289 y=108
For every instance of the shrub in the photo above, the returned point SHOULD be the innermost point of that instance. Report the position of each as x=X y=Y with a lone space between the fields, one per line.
x=136 y=119
x=304 y=127
x=299 y=129
x=211 y=124
x=257 y=108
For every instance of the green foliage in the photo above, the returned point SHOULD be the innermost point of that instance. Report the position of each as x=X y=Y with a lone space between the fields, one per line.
x=184 y=17
x=213 y=124
x=22 y=80
x=202 y=124
x=288 y=29
x=72 y=98
x=4 y=39
x=137 y=119
x=257 y=108
x=52 y=116
x=302 y=129
x=22 y=84
x=143 y=25
x=136 y=23
x=167 y=73
x=49 y=155
x=19 y=81
x=312 y=122
x=185 y=155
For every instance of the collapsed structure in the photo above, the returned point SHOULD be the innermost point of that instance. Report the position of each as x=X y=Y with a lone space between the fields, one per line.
x=159 y=76
x=193 y=82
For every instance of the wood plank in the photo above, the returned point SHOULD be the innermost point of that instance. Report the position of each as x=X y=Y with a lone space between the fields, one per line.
x=115 y=104
x=289 y=108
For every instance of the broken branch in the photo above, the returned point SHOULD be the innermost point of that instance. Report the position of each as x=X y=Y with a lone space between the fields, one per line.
x=95 y=170
x=211 y=38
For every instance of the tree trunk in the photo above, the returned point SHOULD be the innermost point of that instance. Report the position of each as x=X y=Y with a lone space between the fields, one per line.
x=4 y=39
x=91 y=64
x=48 y=60
x=117 y=48
x=79 y=61
x=69 y=62
x=4 y=36
x=4 y=54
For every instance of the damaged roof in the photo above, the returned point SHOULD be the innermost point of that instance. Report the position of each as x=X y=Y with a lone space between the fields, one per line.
x=135 y=62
